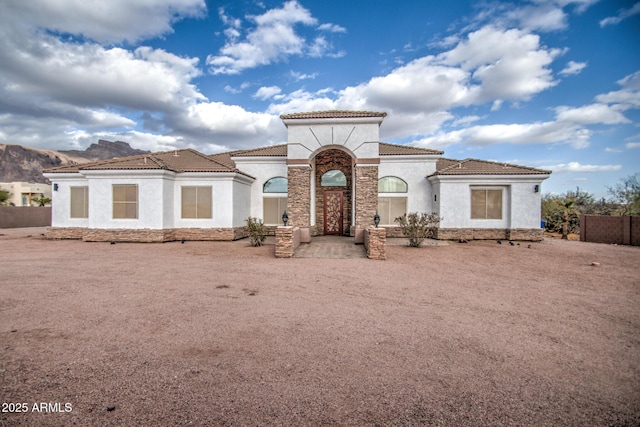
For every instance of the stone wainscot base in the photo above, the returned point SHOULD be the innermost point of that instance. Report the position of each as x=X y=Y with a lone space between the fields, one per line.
x=526 y=234
x=145 y=235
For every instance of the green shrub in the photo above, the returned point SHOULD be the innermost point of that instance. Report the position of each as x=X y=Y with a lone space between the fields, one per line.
x=418 y=226
x=257 y=232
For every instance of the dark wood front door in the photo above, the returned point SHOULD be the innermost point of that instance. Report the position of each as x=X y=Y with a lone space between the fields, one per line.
x=333 y=212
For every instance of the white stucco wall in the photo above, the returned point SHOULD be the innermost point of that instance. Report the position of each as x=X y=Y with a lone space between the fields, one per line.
x=150 y=196
x=61 y=200
x=520 y=204
x=414 y=171
x=262 y=169
x=159 y=199
x=305 y=137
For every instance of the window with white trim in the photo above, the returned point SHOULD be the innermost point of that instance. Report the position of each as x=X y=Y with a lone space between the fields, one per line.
x=196 y=202
x=125 y=201
x=392 y=199
x=274 y=201
x=486 y=203
x=79 y=200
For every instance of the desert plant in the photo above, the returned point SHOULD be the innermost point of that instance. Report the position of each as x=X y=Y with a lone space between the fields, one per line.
x=627 y=194
x=567 y=210
x=42 y=200
x=257 y=232
x=418 y=226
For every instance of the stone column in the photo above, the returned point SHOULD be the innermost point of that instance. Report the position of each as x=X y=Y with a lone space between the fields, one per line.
x=299 y=197
x=366 y=186
x=376 y=242
x=284 y=242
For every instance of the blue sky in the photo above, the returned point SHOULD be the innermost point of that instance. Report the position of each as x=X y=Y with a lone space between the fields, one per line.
x=553 y=84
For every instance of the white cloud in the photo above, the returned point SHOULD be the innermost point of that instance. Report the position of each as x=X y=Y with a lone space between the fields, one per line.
x=629 y=95
x=622 y=15
x=273 y=39
x=540 y=16
x=632 y=145
x=509 y=64
x=300 y=76
x=612 y=150
x=573 y=68
x=332 y=28
x=591 y=114
x=267 y=92
x=577 y=167
x=110 y=21
x=231 y=126
x=517 y=133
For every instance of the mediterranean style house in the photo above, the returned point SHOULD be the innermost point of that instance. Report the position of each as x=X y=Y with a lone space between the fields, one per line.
x=331 y=177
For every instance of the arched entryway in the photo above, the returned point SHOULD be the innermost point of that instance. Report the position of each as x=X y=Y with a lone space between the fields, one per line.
x=333 y=192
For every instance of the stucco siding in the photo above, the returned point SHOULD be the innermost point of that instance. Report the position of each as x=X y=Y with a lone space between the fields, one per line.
x=61 y=200
x=306 y=138
x=413 y=172
x=262 y=170
x=520 y=203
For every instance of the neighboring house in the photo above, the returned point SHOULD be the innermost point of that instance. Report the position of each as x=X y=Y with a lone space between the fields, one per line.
x=24 y=193
x=332 y=176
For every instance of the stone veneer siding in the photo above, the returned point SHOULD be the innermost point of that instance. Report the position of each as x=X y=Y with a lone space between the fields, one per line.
x=528 y=234
x=366 y=199
x=61 y=233
x=299 y=195
x=285 y=245
x=326 y=161
x=146 y=235
x=375 y=242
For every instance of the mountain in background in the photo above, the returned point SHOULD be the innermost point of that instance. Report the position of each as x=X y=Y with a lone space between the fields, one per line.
x=19 y=163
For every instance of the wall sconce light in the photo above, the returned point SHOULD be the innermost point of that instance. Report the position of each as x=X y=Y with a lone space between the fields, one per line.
x=285 y=218
x=55 y=187
x=435 y=197
x=376 y=219
x=536 y=188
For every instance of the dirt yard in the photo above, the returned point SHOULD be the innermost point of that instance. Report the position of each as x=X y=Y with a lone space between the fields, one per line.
x=222 y=333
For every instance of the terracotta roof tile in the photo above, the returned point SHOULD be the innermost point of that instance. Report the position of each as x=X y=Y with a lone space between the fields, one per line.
x=386 y=149
x=272 y=150
x=186 y=160
x=483 y=167
x=332 y=114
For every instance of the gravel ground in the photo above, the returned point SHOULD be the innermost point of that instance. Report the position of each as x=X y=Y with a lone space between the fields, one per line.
x=221 y=333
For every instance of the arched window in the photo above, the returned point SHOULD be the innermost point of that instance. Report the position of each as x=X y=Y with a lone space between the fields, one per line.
x=333 y=178
x=274 y=201
x=392 y=184
x=277 y=184
x=392 y=199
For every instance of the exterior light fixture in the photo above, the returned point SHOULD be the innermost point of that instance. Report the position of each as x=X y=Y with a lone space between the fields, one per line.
x=536 y=188
x=376 y=219
x=285 y=218
x=55 y=187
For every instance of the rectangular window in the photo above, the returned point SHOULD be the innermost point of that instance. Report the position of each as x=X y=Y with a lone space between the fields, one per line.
x=486 y=204
x=390 y=208
x=272 y=210
x=79 y=202
x=196 y=202
x=125 y=201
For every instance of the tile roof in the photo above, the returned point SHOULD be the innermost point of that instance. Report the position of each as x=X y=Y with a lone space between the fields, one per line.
x=482 y=167
x=332 y=114
x=185 y=160
x=272 y=150
x=385 y=149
